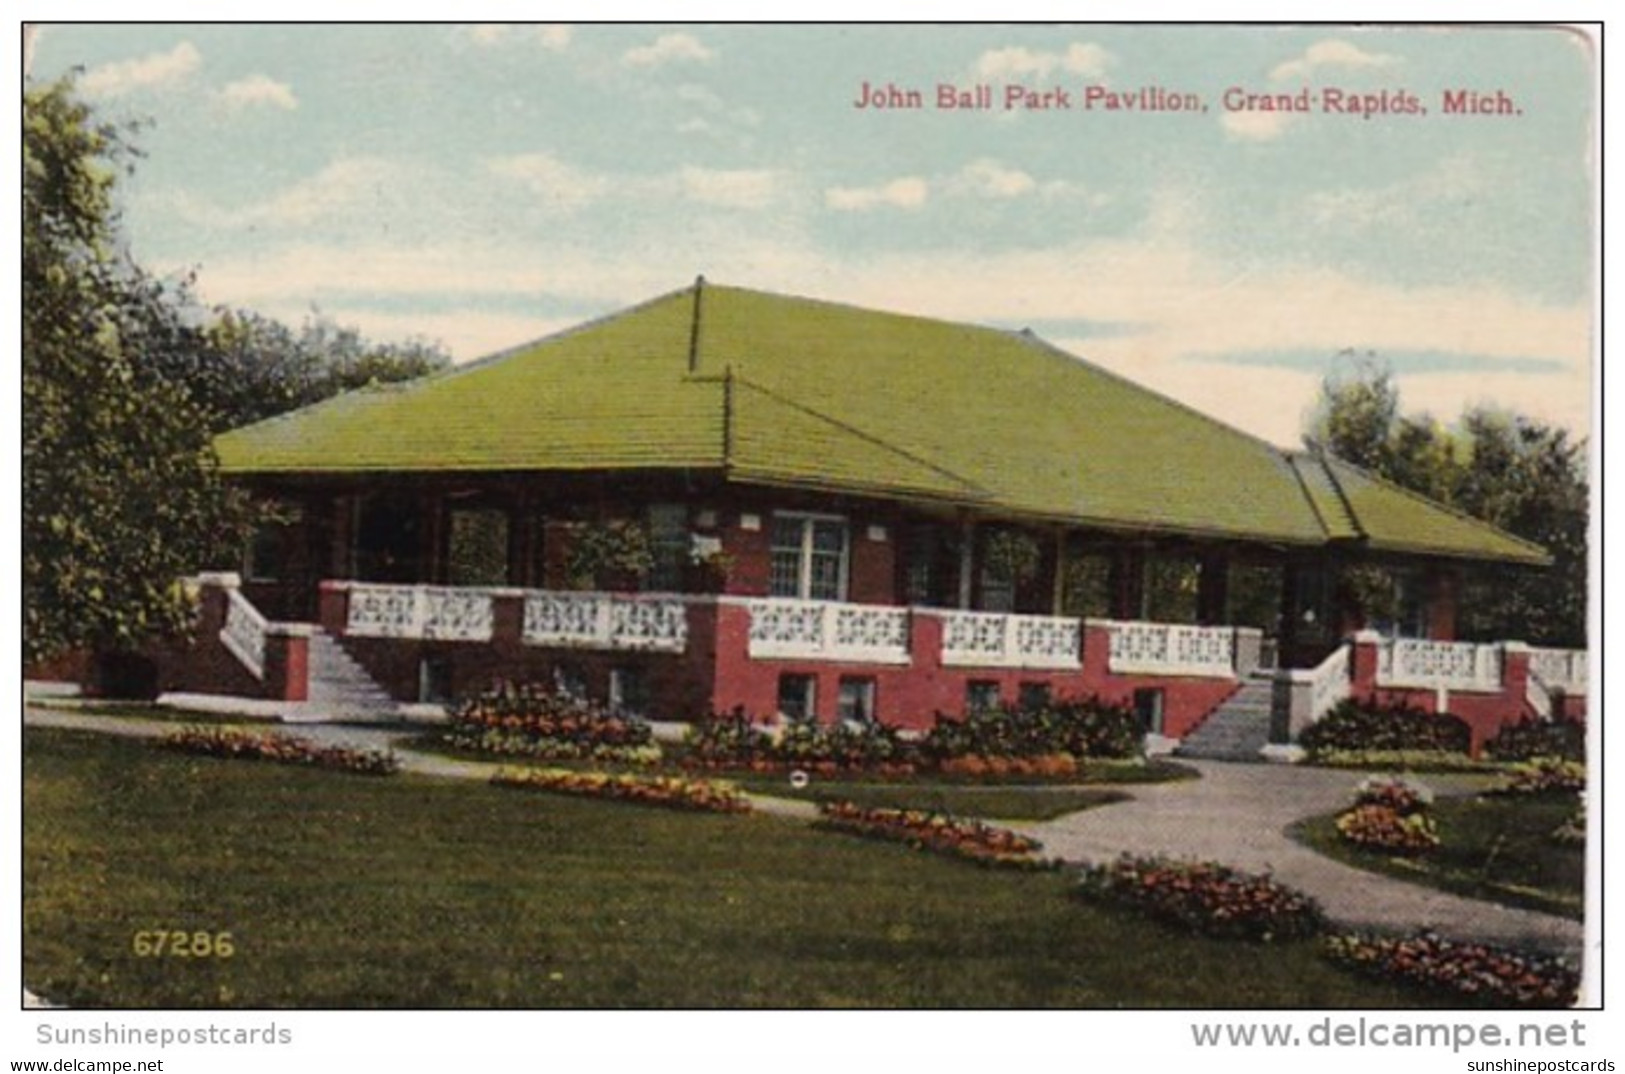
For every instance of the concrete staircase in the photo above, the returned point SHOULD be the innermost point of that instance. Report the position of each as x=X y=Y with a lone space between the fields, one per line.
x=340 y=688
x=1237 y=730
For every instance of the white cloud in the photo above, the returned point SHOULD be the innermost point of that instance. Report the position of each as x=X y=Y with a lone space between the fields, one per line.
x=742 y=189
x=1331 y=53
x=989 y=179
x=668 y=48
x=554 y=38
x=1080 y=58
x=1256 y=126
x=256 y=90
x=906 y=193
x=559 y=185
x=1354 y=208
x=158 y=69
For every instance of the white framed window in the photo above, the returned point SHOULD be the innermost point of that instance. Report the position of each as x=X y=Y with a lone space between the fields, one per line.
x=798 y=697
x=809 y=556
x=856 y=701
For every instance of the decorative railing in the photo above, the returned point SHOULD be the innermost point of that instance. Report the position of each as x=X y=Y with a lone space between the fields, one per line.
x=438 y=613
x=992 y=639
x=1142 y=648
x=1538 y=697
x=785 y=629
x=244 y=633
x=606 y=621
x=1453 y=665
x=1561 y=669
x=1330 y=682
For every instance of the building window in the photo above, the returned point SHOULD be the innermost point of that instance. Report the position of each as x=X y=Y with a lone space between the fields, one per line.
x=434 y=680
x=477 y=546
x=266 y=558
x=628 y=691
x=668 y=546
x=809 y=554
x=1033 y=696
x=1148 y=710
x=981 y=695
x=856 y=702
x=798 y=697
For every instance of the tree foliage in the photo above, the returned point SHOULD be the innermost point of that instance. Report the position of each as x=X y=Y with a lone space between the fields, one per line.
x=1522 y=475
x=246 y=367
x=120 y=491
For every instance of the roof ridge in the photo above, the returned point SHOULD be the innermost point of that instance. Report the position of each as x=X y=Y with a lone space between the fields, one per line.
x=1427 y=501
x=1303 y=487
x=862 y=434
x=1319 y=458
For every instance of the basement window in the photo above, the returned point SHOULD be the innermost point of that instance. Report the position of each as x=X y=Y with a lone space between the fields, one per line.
x=1033 y=695
x=856 y=702
x=798 y=697
x=981 y=695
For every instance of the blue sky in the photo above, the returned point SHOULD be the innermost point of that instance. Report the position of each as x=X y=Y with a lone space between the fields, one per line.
x=486 y=185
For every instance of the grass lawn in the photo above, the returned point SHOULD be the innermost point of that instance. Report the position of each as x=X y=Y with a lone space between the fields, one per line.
x=349 y=891
x=1495 y=848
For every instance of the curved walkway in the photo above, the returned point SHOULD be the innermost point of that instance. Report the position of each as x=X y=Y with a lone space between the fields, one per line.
x=1236 y=814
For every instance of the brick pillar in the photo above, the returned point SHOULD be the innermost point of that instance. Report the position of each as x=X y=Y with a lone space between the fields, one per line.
x=1515 y=658
x=333 y=607
x=287 y=661
x=1363 y=665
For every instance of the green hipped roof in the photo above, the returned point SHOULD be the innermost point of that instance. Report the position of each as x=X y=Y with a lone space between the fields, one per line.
x=770 y=389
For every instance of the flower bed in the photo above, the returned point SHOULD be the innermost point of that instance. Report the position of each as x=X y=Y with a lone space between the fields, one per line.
x=1407 y=760
x=519 y=744
x=1049 y=766
x=1390 y=814
x=670 y=792
x=1474 y=973
x=1544 y=775
x=939 y=832
x=1377 y=827
x=1205 y=897
x=279 y=747
x=534 y=721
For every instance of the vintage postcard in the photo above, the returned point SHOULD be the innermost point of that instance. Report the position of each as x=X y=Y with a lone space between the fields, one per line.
x=966 y=516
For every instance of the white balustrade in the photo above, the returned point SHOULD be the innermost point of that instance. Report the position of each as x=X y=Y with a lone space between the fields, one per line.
x=1561 y=669
x=786 y=629
x=1330 y=683
x=618 y=621
x=993 y=639
x=1538 y=697
x=244 y=632
x=440 y=613
x=1143 y=648
x=1439 y=665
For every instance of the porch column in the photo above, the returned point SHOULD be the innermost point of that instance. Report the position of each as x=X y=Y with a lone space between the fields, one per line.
x=967 y=561
x=1058 y=596
x=1213 y=589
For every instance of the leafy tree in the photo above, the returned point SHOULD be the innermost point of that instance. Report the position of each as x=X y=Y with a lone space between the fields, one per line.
x=1512 y=471
x=249 y=367
x=120 y=491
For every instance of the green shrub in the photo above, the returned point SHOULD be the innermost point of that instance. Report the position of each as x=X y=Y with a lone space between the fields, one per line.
x=1534 y=738
x=1401 y=760
x=734 y=741
x=1084 y=728
x=1356 y=726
